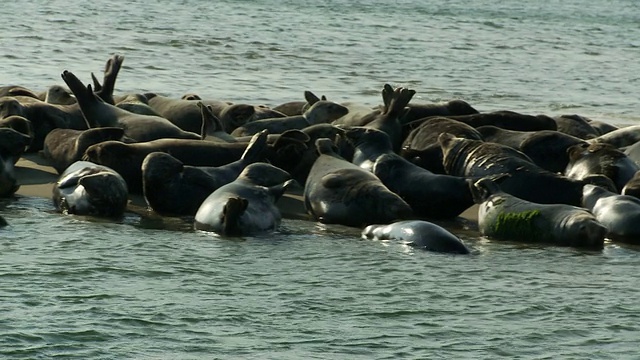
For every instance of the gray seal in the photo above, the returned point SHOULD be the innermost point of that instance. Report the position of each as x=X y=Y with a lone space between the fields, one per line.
x=86 y=188
x=505 y=217
x=174 y=189
x=419 y=234
x=244 y=206
x=63 y=147
x=600 y=158
x=339 y=192
x=619 y=213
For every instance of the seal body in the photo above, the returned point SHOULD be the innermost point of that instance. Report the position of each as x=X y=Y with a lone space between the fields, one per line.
x=63 y=147
x=339 y=192
x=619 y=213
x=600 y=158
x=505 y=217
x=86 y=188
x=244 y=206
x=525 y=180
x=12 y=146
x=172 y=188
x=418 y=234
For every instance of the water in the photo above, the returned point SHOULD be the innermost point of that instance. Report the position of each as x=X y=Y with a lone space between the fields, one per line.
x=150 y=288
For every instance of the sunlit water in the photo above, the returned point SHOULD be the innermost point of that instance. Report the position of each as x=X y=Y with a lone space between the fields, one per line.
x=150 y=288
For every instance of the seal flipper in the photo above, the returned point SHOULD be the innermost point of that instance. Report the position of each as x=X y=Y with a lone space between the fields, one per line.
x=278 y=190
x=112 y=68
x=231 y=213
x=85 y=96
x=256 y=150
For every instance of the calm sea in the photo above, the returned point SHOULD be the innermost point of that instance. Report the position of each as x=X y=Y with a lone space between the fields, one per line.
x=152 y=288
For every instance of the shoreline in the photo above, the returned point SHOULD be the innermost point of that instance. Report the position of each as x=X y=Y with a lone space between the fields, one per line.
x=36 y=179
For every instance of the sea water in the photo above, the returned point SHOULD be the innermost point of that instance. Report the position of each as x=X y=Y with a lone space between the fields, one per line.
x=153 y=288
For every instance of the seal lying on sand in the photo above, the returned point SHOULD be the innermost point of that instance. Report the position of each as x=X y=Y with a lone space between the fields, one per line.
x=321 y=111
x=171 y=188
x=339 y=192
x=138 y=127
x=245 y=206
x=419 y=234
x=632 y=187
x=600 y=158
x=421 y=145
x=63 y=147
x=430 y=195
x=619 y=213
x=505 y=217
x=526 y=180
x=89 y=189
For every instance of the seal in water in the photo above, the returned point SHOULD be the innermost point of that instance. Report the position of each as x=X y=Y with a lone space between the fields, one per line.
x=619 y=213
x=339 y=192
x=505 y=217
x=245 y=206
x=419 y=234
x=86 y=188
x=171 y=188
x=12 y=146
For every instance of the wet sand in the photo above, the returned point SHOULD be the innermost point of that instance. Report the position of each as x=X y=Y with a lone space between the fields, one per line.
x=36 y=178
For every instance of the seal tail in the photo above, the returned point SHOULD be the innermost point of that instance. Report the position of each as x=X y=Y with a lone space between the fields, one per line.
x=111 y=70
x=257 y=148
x=396 y=100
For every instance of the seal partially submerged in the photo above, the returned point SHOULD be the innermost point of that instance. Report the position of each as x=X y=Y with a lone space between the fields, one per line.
x=172 y=188
x=86 y=188
x=419 y=234
x=245 y=206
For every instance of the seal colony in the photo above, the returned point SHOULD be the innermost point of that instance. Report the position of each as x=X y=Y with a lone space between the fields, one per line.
x=402 y=168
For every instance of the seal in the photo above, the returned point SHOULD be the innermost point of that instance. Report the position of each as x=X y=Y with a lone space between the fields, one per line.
x=244 y=206
x=390 y=120
x=63 y=147
x=58 y=95
x=127 y=159
x=137 y=104
x=19 y=124
x=620 y=138
x=509 y=120
x=600 y=158
x=89 y=189
x=632 y=187
x=339 y=192
x=620 y=214
x=293 y=108
x=12 y=146
x=505 y=217
x=173 y=189
x=185 y=113
x=3 y=222
x=419 y=234
x=429 y=195
x=546 y=148
x=602 y=127
x=321 y=111
x=577 y=126
x=525 y=180
x=138 y=127
x=421 y=145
